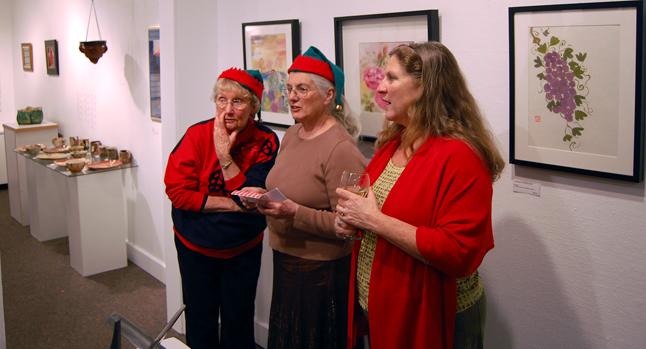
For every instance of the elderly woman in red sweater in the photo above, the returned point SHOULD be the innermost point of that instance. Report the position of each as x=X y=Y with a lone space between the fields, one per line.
x=219 y=242
x=427 y=217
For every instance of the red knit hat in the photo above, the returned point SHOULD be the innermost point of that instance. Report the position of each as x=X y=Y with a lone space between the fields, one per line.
x=314 y=61
x=249 y=79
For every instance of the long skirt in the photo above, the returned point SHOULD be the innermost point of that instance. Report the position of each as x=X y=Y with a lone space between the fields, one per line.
x=309 y=305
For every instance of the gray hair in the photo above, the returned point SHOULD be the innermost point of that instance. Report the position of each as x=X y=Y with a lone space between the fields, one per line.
x=346 y=116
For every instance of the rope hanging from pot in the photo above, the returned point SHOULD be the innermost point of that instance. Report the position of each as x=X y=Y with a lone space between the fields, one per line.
x=89 y=19
x=93 y=50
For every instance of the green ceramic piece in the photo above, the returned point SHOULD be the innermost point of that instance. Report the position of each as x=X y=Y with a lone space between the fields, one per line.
x=23 y=117
x=36 y=116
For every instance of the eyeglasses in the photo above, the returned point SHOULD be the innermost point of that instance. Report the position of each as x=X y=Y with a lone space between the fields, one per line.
x=237 y=103
x=301 y=91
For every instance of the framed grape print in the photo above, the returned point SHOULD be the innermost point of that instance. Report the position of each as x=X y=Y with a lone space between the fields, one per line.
x=27 y=57
x=271 y=47
x=576 y=88
x=362 y=44
x=51 y=57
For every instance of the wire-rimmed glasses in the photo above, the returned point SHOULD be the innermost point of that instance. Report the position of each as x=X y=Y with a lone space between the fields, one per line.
x=301 y=91
x=236 y=103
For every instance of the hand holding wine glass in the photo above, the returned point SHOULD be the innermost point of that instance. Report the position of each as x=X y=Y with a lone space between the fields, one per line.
x=356 y=183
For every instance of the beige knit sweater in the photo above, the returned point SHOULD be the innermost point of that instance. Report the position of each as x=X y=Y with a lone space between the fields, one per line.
x=308 y=171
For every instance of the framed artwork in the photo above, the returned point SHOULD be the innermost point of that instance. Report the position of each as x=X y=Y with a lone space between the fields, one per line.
x=576 y=88
x=51 y=57
x=362 y=44
x=271 y=47
x=27 y=57
x=154 y=73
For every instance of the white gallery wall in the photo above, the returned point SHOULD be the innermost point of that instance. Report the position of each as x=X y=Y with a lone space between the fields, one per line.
x=567 y=270
x=7 y=110
x=107 y=101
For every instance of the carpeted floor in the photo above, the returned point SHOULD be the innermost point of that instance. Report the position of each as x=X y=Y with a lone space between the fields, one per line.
x=47 y=304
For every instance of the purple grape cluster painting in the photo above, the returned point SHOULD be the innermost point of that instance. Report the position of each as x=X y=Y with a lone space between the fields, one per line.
x=563 y=80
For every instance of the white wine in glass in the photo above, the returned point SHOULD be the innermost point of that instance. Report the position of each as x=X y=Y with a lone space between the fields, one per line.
x=356 y=183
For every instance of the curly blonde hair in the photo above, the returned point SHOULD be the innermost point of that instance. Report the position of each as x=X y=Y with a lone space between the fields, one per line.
x=445 y=107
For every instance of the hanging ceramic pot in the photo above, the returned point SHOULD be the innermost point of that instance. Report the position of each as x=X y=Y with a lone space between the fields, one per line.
x=93 y=50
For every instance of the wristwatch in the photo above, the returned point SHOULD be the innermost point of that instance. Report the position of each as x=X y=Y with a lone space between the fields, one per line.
x=225 y=166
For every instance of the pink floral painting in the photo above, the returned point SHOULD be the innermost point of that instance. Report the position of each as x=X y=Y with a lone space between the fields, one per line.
x=269 y=55
x=372 y=62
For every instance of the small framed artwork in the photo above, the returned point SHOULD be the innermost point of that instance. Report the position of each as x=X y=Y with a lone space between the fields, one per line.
x=27 y=57
x=51 y=57
x=362 y=44
x=154 y=73
x=271 y=47
x=576 y=88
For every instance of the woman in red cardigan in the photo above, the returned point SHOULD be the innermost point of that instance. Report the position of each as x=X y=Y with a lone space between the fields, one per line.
x=427 y=217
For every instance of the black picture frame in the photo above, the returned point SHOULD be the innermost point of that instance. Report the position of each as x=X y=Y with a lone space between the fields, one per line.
x=154 y=72
x=51 y=57
x=384 y=29
x=274 y=108
x=554 y=51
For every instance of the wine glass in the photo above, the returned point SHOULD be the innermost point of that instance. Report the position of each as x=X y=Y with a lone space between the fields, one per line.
x=356 y=183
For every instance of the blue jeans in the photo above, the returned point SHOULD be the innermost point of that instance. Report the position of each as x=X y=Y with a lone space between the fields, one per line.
x=470 y=325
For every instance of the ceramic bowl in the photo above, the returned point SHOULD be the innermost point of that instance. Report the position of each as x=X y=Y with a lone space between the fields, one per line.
x=75 y=165
x=76 y=147
x=33 y=149
x=58 y=142
x=78 y=153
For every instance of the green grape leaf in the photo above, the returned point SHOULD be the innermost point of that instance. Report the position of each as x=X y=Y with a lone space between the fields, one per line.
x=578 y=72
x=579 y=115
x=541 y=76
x=539 y=62
x=554 y=40
x=551 y=105
x=542 y=49
x=578 y=99
x=567 y=138
x=577 y=131
x=573 y=65
x=581 y=56
x=568 y=53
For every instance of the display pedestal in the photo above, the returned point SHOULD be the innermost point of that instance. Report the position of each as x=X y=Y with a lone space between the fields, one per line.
x=89 y=207
x=17 y=136
x=97 y=224
x=48 y=202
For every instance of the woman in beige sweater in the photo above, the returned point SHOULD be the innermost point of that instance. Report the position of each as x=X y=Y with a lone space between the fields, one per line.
x=311 y=265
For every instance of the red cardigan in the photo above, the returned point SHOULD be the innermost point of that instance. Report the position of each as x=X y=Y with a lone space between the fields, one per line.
x=446 y=191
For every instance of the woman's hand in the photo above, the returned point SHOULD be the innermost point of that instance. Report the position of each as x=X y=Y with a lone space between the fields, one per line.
x=342 y=228
x=356 y=210
x=280 y=210
x=222 y=140
x=364 y=213
x=252 y=205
